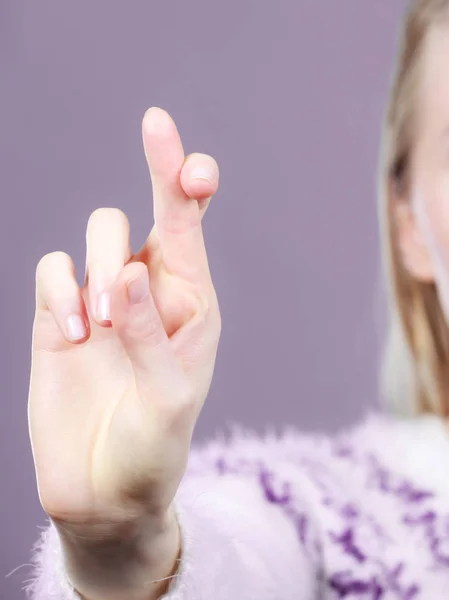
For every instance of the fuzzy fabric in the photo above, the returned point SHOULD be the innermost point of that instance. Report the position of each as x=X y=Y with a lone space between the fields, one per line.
x=363 y=514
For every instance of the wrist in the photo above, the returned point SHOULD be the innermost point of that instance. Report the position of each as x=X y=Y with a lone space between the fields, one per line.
x=133 y=560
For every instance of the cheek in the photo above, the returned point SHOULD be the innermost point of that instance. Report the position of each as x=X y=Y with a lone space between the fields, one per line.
x=431 y=209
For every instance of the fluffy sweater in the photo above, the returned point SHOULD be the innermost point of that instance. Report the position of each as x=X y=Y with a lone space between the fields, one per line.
x=360 y=514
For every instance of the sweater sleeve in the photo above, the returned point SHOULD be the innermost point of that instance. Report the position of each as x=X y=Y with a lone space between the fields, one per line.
x=236 y=544
x=239 y=540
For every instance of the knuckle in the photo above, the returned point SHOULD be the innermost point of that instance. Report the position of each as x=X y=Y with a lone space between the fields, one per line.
x=187 y=403
x=149 y=330
x=200 y=301
x=202 y=309
x=182 y=410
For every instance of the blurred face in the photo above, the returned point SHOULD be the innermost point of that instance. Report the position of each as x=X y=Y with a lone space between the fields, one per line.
x=423 y=216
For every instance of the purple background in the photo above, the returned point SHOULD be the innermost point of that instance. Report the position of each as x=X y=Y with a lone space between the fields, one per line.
x=288 y=97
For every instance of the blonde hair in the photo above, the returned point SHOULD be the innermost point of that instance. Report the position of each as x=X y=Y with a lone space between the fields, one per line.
x=415 y=372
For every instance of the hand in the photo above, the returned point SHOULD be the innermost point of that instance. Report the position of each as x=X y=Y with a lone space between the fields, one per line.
x=112 y=409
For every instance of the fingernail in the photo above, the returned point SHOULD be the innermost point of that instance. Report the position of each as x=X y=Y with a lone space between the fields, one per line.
x=139 y=288
x=203 y=173
x=103 y=307
x=76 y=327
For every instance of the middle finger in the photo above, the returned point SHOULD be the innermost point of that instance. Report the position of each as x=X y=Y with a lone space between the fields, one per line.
x=108 y=250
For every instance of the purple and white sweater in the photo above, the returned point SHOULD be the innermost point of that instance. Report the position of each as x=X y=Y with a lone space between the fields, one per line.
x=362 y=514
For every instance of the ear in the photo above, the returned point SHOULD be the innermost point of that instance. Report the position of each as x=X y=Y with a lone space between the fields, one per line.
x=413 y=250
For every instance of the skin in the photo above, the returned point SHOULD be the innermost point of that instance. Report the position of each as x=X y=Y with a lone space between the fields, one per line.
x=422 y=212
x=111 y=415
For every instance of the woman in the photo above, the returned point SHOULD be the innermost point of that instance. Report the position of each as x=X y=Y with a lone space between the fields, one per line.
x=121 y=369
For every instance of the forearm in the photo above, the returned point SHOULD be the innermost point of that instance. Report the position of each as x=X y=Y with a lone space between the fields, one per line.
x=133 y=562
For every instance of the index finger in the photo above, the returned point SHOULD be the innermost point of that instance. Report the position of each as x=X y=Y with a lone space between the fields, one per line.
x=177 y=216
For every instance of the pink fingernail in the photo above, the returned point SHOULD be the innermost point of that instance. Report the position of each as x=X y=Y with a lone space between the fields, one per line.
x=203 y=173
x=138 y=288
x=76 y=328
x=104 y=307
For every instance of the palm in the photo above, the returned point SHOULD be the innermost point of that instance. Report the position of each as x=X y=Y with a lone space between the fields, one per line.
x=92 y=424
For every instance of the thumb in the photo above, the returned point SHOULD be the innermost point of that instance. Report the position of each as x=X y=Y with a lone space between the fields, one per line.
x=137 y=323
